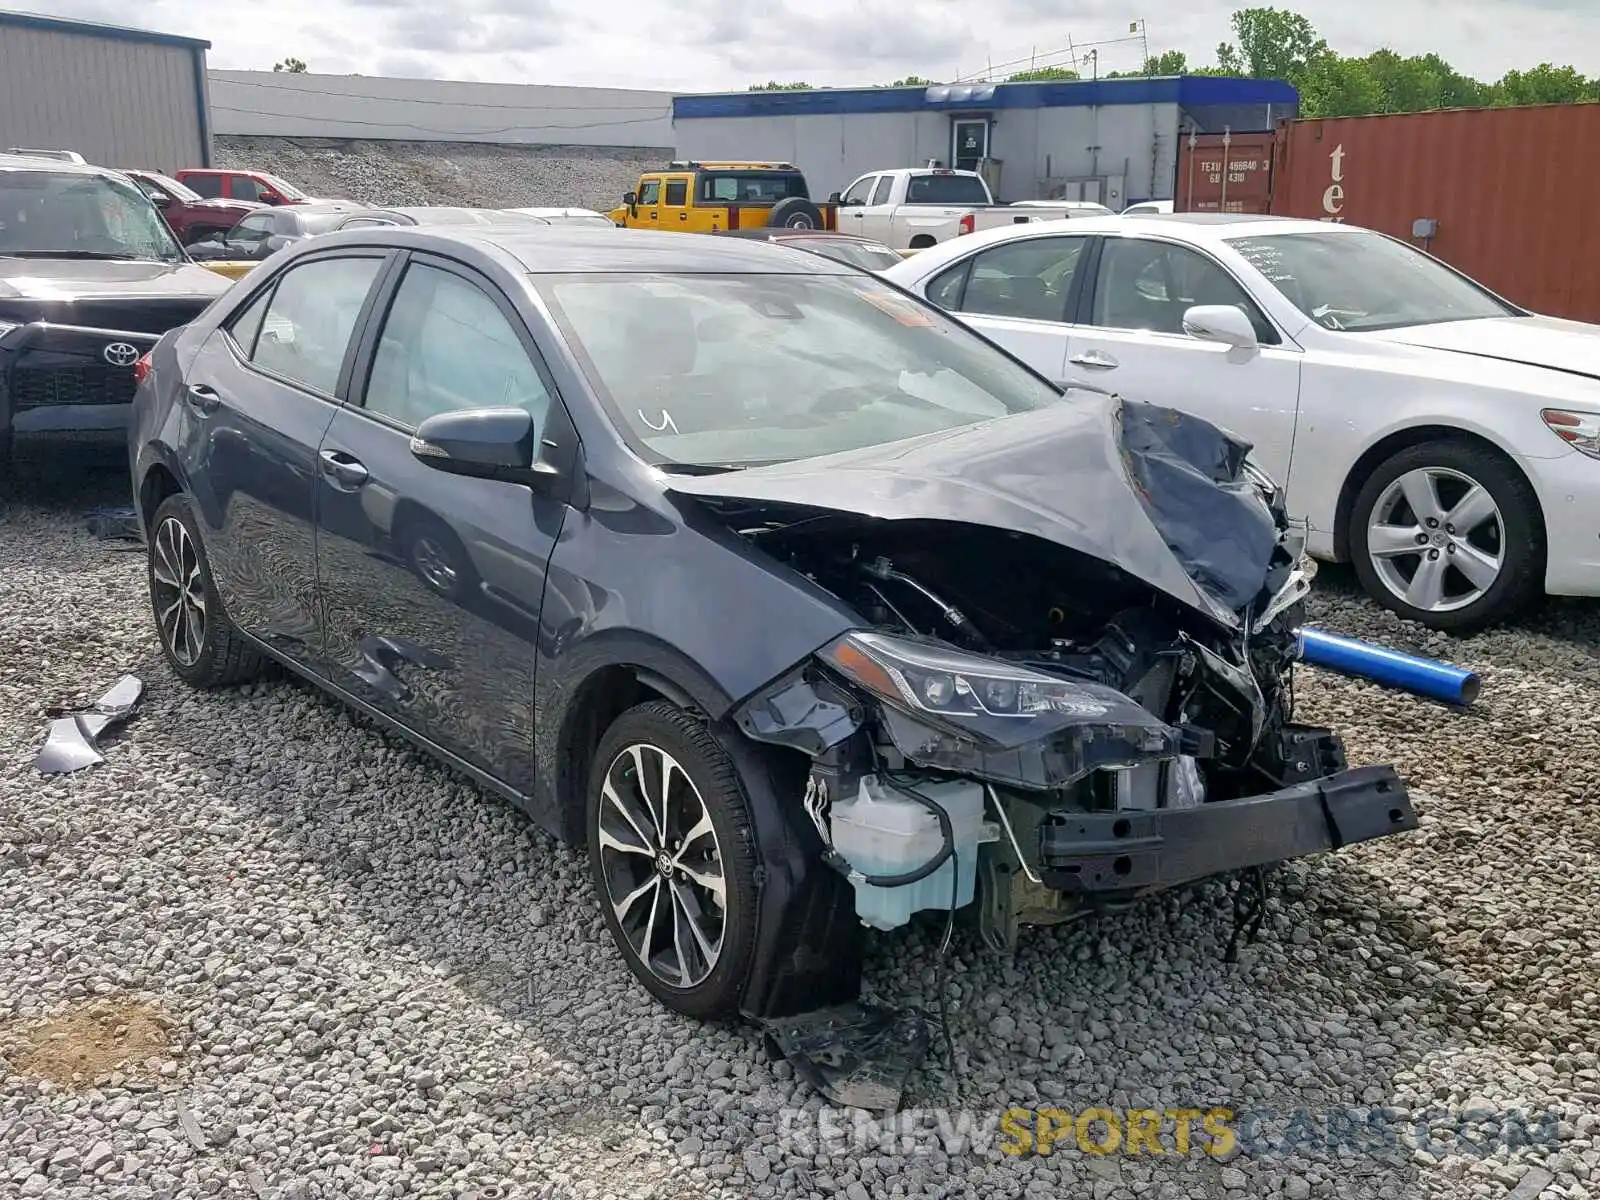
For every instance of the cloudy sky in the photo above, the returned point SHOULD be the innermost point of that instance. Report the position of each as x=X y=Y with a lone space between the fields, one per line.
x=685 y=46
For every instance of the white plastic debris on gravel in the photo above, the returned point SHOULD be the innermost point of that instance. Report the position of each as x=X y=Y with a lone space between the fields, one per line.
x=381 y=983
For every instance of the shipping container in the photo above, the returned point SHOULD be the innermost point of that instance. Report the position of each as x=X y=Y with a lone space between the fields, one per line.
x=1506 y=195
x=1224 y=172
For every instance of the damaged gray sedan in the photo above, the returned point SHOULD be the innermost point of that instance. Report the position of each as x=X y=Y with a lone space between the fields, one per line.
x=803 y=606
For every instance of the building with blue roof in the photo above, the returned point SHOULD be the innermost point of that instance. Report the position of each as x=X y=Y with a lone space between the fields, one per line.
x=1114 y=141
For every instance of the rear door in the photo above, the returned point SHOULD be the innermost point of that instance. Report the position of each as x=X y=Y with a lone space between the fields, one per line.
x=1019 y=294
x=258 y=397
x=1130 y=339
x=434 y=582
x=675 y=210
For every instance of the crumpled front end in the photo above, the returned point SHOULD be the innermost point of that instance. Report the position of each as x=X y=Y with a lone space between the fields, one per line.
x=1037 y=730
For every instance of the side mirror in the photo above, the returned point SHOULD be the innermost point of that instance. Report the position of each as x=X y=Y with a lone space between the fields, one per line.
x=275 y=242
x=835 y=197
x=1225 y=323
x=630 y=198
x=483 y=443
x=161 y=199
x=271 y=198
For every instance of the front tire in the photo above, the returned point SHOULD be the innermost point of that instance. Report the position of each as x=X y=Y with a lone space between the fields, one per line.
x=198 y=641
x=1448 y=534
x=672 y=855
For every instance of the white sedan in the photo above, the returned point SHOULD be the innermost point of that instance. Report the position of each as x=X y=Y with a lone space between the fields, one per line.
x=1441 y=438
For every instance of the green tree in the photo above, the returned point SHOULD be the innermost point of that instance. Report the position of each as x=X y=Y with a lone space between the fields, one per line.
x=774 y=86
x=1043 y=75
x=1271 y=43
x=912 y=81
x=295 y=66
x=1545 y=84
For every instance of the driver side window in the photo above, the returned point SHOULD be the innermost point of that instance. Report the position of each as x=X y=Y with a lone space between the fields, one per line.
x=860 y=190
x=650 y=191
x=1149 y=285
x=446 y=346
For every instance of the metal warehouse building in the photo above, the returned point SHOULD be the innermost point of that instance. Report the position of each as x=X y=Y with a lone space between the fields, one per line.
x=119 y=97
x=1111 y=140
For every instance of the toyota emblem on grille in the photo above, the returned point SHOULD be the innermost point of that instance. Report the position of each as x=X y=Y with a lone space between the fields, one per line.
x=121 y=354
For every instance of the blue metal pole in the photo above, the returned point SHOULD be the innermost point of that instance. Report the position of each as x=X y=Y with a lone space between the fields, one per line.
x=1421 y=676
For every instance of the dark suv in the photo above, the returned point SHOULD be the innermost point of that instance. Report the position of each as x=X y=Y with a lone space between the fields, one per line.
x=90 y=277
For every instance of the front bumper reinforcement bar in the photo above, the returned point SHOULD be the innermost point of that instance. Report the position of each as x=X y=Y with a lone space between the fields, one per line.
x=1161 y=848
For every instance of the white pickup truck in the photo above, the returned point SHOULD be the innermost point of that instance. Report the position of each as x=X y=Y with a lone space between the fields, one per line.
x=910 y=208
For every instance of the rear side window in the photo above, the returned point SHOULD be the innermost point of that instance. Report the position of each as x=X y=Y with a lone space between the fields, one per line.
x=677 y=192
x=765 y=187
x=246 y=324
x=1028 y=279
x=207 y=186
x=305 y=331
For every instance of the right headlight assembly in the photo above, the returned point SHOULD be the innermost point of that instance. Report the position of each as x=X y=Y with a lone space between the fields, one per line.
x=929 y=678
x=991 y=719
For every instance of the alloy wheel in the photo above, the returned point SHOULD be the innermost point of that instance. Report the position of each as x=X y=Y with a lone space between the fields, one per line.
x=179 y=591
x=1436 y=539
x=662 y=865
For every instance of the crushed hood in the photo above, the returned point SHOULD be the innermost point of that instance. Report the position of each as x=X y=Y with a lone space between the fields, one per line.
x=1157 y=493
x=1551 y=342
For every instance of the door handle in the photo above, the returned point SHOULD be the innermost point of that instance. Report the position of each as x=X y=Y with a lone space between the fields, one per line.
x=345 y=471
x=1094 y=360
x=683 y=216
x=202 y=399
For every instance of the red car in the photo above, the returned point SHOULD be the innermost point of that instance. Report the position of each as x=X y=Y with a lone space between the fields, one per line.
x=192 y=216
x=219 y=183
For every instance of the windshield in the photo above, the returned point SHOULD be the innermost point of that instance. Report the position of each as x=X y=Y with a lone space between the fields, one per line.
x=46 y=214
x=866 y=255
x=946 y=189
x=734 y=370
x=283 y=187
x=1365 y=281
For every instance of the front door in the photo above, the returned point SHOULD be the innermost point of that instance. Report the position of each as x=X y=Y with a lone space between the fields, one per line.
x=434 y=582
x=649 y=205
x=969 y=142
x=261 y=393
x=1131 y=340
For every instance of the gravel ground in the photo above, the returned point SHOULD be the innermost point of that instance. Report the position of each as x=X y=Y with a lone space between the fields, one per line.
x=463 y=173
x=343 y=973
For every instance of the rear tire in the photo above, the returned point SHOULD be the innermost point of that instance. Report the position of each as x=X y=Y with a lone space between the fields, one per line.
x=795 y=212
x=690 y=953
x=1412 y=561
x=198 y=641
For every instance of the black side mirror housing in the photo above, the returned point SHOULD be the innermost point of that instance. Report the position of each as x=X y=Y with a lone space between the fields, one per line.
x=630 y=198
x=835 y=197
x=484 y=443
x=161 y=199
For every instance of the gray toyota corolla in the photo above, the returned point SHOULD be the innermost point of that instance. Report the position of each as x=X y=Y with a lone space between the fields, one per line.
x=800 y=604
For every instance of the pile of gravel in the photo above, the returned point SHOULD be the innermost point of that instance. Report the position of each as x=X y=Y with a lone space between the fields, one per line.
x=381 y=983
x=450 y=173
